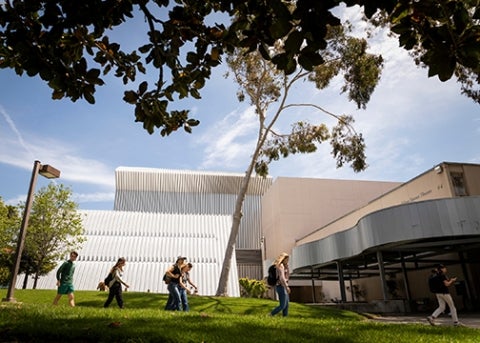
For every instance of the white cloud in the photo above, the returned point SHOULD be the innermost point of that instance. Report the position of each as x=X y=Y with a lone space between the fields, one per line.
x=93 y=197
x=19 y=152
x=229 y=143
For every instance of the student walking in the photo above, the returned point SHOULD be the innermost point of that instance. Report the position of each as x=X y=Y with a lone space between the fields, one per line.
x=185 y=283
x=115 y=286
x=65 y=280
x=443 y=297
x=173 y=274
x=283 y=291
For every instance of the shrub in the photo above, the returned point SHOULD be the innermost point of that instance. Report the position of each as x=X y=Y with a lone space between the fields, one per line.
x=251 y=288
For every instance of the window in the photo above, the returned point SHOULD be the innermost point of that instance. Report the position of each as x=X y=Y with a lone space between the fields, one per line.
x=458 y=184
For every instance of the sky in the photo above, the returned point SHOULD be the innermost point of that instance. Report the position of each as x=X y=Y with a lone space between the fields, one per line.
x=411 y=124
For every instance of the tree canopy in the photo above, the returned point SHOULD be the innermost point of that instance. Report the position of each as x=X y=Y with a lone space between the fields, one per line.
x=68 y=43
x=9 y=225
x=55 y=227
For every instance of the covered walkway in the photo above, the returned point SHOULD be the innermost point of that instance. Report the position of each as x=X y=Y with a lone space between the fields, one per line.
x=396 y=241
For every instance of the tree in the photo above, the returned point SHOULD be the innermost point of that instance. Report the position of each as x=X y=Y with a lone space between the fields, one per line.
x=67 y=43
x=54 y=228
x=264 y=85
x=9 y=225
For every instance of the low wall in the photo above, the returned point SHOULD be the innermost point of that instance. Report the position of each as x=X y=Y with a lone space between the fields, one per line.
x=375 y=306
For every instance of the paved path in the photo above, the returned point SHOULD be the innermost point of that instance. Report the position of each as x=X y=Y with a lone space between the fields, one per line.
x=468 y=319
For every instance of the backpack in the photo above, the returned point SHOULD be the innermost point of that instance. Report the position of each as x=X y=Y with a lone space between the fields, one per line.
x=272 y=275
x=435 y=283
x=167 y=278
x=108 y=279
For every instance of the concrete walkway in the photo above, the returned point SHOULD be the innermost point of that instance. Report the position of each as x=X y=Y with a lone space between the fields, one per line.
x=471 y=320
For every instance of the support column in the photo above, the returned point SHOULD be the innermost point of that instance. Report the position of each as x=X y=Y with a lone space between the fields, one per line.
x=468 y=284
x=405 y=279
x=383 y=279
x=314 y=298
x=341 y=281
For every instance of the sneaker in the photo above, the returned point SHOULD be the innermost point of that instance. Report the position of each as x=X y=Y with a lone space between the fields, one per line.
x=458 y=324
x=431 y=320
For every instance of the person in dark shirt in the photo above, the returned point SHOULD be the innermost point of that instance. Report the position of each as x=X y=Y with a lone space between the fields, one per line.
x=174 y=273
x=65 y=280
x=443 y=297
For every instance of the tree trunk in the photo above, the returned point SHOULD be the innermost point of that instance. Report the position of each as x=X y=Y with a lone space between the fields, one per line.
x=35 y=280
x=237 y=217
x=25 y=281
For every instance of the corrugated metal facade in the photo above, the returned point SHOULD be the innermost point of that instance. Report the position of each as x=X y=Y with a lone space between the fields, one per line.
x=151 y=242
x=193 y=192
x=160 y=214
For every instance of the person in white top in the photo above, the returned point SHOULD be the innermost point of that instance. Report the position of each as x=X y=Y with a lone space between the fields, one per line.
x=283 y=291
x=115 y=286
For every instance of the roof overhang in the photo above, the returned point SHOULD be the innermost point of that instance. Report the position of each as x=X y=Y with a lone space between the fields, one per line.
x=417 y=232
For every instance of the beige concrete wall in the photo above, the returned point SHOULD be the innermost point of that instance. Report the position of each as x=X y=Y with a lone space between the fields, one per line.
x=427 y=186
x=471 y=174
x=294 y=207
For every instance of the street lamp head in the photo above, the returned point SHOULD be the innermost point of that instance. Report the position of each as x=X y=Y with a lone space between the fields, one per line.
x=49 y=172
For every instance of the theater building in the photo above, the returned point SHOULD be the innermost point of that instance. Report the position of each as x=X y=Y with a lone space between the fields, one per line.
x=382 y=251
x=351 y=242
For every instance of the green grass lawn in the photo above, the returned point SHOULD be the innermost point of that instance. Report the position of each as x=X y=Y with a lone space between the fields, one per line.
x=211 y=319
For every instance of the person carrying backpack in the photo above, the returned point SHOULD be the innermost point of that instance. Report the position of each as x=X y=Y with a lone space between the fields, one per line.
x=282 y=289
x=174 y=273
x=115 y=283
x=439 y=286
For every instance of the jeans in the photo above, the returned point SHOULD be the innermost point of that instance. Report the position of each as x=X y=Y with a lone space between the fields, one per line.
x=174 y=301
x=184 y=298
x=283 y=298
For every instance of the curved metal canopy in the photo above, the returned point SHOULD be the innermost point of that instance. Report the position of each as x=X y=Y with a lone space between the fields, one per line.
x=416 y=232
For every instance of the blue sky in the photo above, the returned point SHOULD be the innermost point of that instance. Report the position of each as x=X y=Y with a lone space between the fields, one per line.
x=411 y=124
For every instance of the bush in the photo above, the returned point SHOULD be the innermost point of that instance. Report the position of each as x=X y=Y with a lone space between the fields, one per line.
x=251 y=288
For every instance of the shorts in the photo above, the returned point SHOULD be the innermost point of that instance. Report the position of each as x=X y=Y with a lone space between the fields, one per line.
x=65 y=288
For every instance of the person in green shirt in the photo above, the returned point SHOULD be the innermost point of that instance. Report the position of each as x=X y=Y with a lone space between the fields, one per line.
x=65 y=280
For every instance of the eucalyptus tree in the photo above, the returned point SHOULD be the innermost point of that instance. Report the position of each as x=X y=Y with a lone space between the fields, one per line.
x=267 y=89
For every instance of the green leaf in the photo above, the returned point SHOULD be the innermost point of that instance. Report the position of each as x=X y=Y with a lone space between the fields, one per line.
x=461 y=18
x=145 y=48
x=89 y=97
x=57 y=94
x=92 y=75
x=309 y=60
x=142 y=88
x=187 y=128
x=294 y=42
x=280 y=28
x=130 y=97
x=193 y=122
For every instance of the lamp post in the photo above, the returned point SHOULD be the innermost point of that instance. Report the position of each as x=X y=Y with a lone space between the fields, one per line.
x=50 y=173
